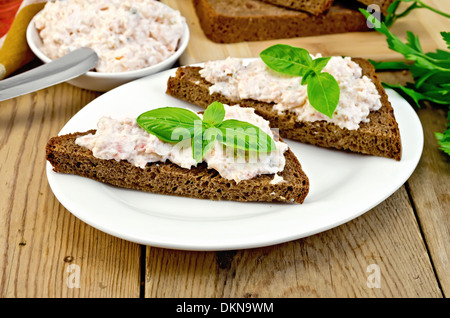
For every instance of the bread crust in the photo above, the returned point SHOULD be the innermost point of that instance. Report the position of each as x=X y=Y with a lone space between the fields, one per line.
x=169 y=179
x=315 y=7
x=379 y=137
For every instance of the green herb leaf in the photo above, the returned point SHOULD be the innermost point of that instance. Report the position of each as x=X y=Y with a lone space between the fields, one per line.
x=214 y=114
x=197 y=142
x=287 y=59
x=306 y=77
x=446 y=37
x=407 y=93
x=413 y=41
x=443 y=139
x=170 y=124
x=324 y=93
x=430 y=71
x=389 y=65
x=443 y=57
x=323 y=90
x=319 y=63
x=393 y=16
x=245 y=136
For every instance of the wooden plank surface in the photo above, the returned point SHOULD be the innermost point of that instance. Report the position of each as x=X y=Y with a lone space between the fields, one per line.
x=45 y=250
x=335 y=263
x=429 y=185
x=40 y=239
x=372 y=45
x=430 y=192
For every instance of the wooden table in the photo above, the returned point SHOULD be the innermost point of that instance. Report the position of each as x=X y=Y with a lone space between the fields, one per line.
x=406 y=238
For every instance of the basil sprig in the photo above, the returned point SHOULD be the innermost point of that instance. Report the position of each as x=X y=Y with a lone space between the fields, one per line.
x=322 y=88
x=173 y=124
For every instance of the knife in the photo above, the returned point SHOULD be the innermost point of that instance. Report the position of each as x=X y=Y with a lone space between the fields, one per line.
x=57 y=71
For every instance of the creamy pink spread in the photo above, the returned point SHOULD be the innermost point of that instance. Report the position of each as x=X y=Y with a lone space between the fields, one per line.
x=126 y=35
x=124 y=139
x=236 y=79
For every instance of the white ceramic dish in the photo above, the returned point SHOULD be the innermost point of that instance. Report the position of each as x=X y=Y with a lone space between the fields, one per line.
x=343 y=186
x=103 y=82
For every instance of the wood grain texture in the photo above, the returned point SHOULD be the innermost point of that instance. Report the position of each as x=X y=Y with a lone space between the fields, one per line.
x=430 y=192
x=358 y=44
x=42 y=244
x=429 y=185
x=39 y=238
x=330 y=264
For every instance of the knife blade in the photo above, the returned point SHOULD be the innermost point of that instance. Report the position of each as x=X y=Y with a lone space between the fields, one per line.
x=60 y=70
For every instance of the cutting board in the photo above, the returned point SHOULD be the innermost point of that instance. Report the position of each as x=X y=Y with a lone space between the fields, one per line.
x=370 y=45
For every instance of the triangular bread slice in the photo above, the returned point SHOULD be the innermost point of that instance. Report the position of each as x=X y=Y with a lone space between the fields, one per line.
x=167 y=178
x=378 y=137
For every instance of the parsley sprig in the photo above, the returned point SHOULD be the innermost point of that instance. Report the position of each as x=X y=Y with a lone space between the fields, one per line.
x=430 y=72
x=173 y=125
x=322 y=88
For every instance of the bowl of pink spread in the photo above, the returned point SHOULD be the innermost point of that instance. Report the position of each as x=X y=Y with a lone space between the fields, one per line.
x=133 y=39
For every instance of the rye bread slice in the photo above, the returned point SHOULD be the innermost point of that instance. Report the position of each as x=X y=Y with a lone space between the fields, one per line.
x=167 y=178
x=379 y=137
x=315 y=7
x=231 y=21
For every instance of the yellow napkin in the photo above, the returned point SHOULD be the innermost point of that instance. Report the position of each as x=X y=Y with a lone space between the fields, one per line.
x=14 y=51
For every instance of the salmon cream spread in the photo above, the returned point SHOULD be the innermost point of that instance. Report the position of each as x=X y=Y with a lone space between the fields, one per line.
x=238 y=80
x=124 y=139
x=126 y=35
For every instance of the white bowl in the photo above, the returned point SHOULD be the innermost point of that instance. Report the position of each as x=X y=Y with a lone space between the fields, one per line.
x=103 y=82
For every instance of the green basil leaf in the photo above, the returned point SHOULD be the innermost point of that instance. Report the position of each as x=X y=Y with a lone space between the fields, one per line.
x=323 y=93
x=169 y=123
x=197 y=142
x=306 y=76
x=319 y=63
x=287 y=59
x=214 y=114
x=245 y=136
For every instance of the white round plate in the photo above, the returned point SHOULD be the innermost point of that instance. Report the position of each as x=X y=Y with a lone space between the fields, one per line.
x=342 y=186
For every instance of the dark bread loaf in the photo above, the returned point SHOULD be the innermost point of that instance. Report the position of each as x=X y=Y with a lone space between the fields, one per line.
x=379 y=137
x=315 y=7
x=168 y=178
x=230 y=21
